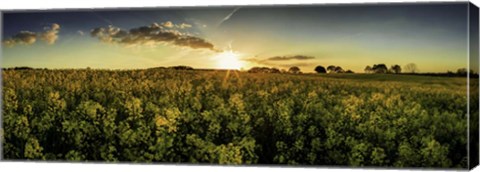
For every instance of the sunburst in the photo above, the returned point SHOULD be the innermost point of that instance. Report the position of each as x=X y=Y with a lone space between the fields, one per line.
x=229 y=60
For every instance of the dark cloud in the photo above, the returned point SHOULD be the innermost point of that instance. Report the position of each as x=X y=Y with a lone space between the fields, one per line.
x=152 y=34
x=297 y=57
x=109 y=34
x=24 y=38
x=194 y=42
x=295 y=64
x=50 y=36
x=276 y=61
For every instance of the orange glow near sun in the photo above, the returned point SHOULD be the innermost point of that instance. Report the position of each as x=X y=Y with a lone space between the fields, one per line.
x=229 y=60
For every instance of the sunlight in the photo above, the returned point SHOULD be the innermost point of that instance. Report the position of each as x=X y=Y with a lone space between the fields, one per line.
x=229 y=60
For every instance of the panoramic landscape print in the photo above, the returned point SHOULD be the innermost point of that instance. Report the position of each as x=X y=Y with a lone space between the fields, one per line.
x=371 y=85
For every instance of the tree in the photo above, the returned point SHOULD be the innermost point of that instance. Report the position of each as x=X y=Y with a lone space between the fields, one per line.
x=462 y=71
x=396 y=68
x=379 y=68
x=331 y=69
x=368 y=69
x=182 y=67
x=349 y=71
x=320 y=69
x=411 y=68
x=274 y=70
x=294 y=70
x=339 y=69
x=263 y=70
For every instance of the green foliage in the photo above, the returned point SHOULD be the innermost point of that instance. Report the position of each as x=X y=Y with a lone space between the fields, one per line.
x=165 y=115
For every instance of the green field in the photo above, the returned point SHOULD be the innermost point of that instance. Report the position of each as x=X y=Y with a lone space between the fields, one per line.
x=224 y=117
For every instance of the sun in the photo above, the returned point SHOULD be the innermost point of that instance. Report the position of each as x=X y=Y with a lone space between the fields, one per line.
x=229 y=60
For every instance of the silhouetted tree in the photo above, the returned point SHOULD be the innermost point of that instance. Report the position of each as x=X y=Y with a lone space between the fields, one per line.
x=259 y=70
x=368 y=69
x=274 y=70
x=294 y=70
x=320 y=69
x=411 y=68
x=331 y=69
x=380 y=68
x=349 y=71
x=396 y=69
x=263 y=70
x=462 y=71
x=182 y=67
x=339 y=69
x=22 y=68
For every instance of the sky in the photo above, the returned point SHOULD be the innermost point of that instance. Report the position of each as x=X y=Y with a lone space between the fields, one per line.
x=433 y=36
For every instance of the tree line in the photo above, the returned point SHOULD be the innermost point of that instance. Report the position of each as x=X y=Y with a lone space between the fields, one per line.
x=410 y=68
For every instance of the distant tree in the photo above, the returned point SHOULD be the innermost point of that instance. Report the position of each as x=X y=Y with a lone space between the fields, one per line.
x=368 y=69
x=320 y=69
x=411 y=68
x=259 y=70
x=462 y=71
x=254 y=70
x=379 y=68
x=396 y=69
x=263 y=70
x=349 y=71
x=23 y=68
x=294 y=70
x=339 y=69
x=274 y=70
x=331 y=69
x=182 y=67
x=390 y=70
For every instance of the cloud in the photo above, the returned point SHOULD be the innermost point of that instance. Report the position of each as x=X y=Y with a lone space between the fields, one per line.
x=171 y=25
x=184 y=25
x=296 y=64
x=194 y=42
x=55 y=26
x=274 y=61
x=296 y=57
x=168 y=24
x=49 y=35
x=110 y=34
x=148 y=35
x=23 y=38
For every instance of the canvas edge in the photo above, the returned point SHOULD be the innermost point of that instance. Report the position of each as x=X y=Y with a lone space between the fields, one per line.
x=473 y=89
x=1 y=87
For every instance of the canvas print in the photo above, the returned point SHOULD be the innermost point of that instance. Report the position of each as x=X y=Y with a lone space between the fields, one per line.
x=319 y=85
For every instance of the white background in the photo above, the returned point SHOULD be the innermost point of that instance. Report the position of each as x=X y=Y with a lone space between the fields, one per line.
x=90 y=167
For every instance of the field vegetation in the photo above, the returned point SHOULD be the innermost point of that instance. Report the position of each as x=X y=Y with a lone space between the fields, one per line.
x=232 y=117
